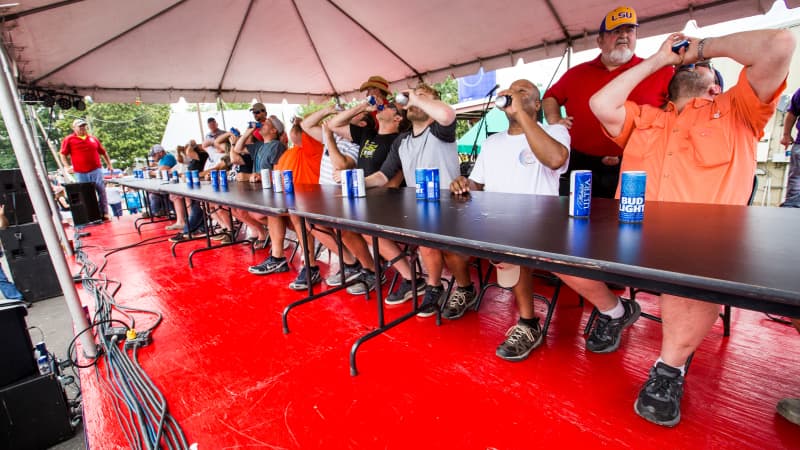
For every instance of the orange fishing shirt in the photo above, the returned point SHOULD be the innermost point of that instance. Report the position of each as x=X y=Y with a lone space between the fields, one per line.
x=704 y=154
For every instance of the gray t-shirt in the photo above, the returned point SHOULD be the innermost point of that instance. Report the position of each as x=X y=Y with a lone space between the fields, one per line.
x=265 y=154
x=434 y=148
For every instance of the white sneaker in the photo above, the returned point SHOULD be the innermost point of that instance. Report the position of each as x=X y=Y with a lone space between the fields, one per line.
x=174 y=226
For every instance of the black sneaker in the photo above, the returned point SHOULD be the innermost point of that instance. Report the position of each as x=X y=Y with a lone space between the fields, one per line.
x=660 y=398
x=403 y=292
x=459 y=302
x=606 y=333
x=300 y=283
x=350 y=274
x=520 y=342
x=367 y=282
x=789 y=408
x=269 y=265
x=434 y=297
x=179 y=238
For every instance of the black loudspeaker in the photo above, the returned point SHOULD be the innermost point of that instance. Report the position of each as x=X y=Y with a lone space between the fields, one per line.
x=16 y=351
x=14 y=195
x=83 y=203
x=35 y=414
x=29 y=261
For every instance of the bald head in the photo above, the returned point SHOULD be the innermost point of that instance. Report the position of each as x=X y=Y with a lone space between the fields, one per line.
x=529 y=94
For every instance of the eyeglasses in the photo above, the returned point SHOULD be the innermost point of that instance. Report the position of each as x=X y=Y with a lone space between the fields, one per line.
x=257 y=111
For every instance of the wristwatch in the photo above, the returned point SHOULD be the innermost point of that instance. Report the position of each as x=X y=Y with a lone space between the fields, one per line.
x=700 y=46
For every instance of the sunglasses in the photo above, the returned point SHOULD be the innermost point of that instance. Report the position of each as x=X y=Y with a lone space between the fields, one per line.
x=257 y=111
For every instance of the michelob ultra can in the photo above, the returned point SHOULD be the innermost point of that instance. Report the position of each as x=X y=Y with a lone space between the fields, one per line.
x=580 y=193
x=419 y=175
x=631 y=196
x=266 y=179
x=277 y=181
x=288 y=181
x=432 y=184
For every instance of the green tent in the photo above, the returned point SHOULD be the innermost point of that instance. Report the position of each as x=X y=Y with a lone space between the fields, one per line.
x=496 y=122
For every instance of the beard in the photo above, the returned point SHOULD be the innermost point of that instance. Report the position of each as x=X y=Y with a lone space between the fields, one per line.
x=620 y=55
x=687 y=84
x=415 y=114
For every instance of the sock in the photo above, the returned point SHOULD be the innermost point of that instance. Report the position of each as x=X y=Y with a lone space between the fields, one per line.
x=530 y=323
x=681 y=368
x=616 y=312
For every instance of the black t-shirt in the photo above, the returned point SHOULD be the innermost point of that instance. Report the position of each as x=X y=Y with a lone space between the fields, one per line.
x=198 y=164
x=372 y=147
x=247 y=167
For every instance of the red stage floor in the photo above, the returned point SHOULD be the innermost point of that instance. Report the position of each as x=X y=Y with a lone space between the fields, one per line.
x=234 y=380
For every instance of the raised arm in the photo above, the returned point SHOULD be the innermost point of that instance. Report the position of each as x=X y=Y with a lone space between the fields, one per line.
x=438 y=110
x=340 y=123
x=312 y=123
x=338 y=160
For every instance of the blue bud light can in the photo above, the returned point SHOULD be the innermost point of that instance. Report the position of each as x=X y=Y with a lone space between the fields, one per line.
x=345 y=184
x=358 y=187
x=580 y=193
x=176 y=177
x=631 y=196
x=419 y=175
x=432 y=184
x=189 y=178
x=277 y=181
x=215 y=178
x=223 y=179
x=196 y=177
x=288 y=181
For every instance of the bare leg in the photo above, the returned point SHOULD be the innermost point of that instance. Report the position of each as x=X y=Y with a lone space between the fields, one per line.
x=329 y=242
x=389 y=251
x=523 y=292
x=180 y=210
x=251 y=222
x=685 y=323
x=459 y=267
x=358 y=247
x=295 y=224
x=434 y=264
x=595 y=292
x=277 y=233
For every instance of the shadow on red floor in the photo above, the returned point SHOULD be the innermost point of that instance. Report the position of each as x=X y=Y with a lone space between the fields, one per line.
x=234 y=380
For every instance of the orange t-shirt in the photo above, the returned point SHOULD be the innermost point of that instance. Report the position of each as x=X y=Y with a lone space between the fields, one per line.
x=303 y=160
x=704 y=154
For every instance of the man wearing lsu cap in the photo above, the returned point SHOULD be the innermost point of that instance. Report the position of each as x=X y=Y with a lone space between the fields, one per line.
x=85 y=151
x=591 y=149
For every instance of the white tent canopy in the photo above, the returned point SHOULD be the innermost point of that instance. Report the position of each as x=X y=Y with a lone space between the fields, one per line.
x=159 y=51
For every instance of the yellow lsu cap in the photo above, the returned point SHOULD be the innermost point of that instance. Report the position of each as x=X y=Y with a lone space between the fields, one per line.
x=623 y=15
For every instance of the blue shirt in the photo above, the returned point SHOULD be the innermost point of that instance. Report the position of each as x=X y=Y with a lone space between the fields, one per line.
x=167 y=160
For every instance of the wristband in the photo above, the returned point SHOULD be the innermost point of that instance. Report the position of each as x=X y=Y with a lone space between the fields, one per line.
x=700 y=46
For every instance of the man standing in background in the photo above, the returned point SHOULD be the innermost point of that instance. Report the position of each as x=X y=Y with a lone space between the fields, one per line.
x=85 y=152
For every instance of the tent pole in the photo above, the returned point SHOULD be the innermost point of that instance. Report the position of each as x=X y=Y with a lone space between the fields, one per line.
x=55 y=213
x=221 y=108
x=200 y=123
x=22 y=142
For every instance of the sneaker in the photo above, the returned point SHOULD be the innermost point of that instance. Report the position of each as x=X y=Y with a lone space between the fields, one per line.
x=220 y=236
x=403 y=292
x=300 y=283
x=270 y=265
x=520 y=342
x=606 y=333
x=179 y=238
x=367 y=282
x=145 y=215
x=350 y=274
x=459 y=302
x=660 y=398
x=434 y=297
x=174 y=226
x=223 y=238
x=789 y=408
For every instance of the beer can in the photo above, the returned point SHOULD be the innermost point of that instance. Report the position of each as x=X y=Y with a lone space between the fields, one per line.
x=580 y=193
x=631 y=196
x=288 y=181
x=344 y=184
x=215 y=178
x=359 y=187
x=266 y=179
x=419 y=175
x=277 y=181
x=176 y=177
x=189 y=178
x=223 y=179
x=196 y=177
x=432 y=184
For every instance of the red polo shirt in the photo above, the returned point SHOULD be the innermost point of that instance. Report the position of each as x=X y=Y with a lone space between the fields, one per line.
x=85 y=152
x=577 y=86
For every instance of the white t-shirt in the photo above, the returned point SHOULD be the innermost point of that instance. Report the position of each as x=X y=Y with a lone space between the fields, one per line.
x=507 y=164
x=214 y=157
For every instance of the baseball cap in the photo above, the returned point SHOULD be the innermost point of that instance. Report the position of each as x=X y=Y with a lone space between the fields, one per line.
x=156 y=149
x=376 y=82
x=277 y=124
x=78 y=122
x=507 y=274
x=624 y=15
x=258 y=107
